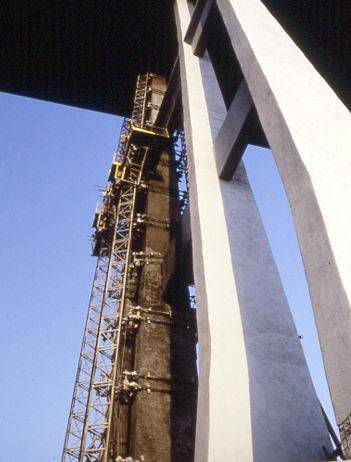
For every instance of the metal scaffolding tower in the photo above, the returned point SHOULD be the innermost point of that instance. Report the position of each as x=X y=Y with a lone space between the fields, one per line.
x=101 y=419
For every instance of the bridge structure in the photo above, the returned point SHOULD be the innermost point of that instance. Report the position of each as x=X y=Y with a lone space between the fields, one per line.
x=197 y=83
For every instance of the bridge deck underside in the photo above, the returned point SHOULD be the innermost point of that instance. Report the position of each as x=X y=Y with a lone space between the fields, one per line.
x=87 y=54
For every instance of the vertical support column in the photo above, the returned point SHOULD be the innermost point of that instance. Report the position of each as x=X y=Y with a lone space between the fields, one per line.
x=163 y=412
x=223 y=396
x=156 y=382
x=151 y=435
x=256 y=398
x=309 y=131
x=151 y=427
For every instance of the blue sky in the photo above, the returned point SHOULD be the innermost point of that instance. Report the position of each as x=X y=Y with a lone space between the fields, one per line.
x=53 y=158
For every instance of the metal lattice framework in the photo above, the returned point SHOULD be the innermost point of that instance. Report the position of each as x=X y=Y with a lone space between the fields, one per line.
x=120 y=154
x=96 y=434
x=88 y=430
x=100 y=375
x=145 y=109
x=83 y=383
x=138 y=114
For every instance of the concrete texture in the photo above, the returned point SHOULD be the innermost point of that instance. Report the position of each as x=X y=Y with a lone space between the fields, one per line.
x=198 y=40
x=214 y=312
x=232 y=139
x=309 y=131
x=162 y=421
x=256 y=399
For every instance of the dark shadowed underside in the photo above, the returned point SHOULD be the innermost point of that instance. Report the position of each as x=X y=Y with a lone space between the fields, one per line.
x=88 y=53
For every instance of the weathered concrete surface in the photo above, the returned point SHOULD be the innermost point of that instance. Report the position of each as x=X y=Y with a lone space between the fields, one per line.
x=256 y=399
x=198 y=40
x=232 y=139
x=309 y=131
x=149 y=424
x=162 y=420
x=219 y=325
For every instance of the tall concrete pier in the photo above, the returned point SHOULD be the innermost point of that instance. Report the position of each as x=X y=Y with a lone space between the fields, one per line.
x=233 y=72
x=249 y=348
x=309 y=131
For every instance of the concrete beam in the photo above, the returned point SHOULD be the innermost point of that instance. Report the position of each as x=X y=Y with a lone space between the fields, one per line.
x=256 y=398
x=309 y=131
x=232 y=138
x=195 y=34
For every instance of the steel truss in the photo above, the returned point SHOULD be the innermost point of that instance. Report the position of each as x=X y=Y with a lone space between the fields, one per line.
x=143 y=107
x=100 y=372
x=140 y=98
x=83 y=383
x=120 y=154
x=96 y=434
x=88 y=430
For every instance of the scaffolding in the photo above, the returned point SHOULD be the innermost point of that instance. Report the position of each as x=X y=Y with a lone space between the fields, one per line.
x=181 y=161
x=87 y=433
x=100 y=375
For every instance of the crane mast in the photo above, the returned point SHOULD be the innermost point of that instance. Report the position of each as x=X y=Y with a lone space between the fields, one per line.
x=134 y=397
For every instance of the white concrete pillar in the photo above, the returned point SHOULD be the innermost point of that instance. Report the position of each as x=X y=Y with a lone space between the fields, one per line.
x=256 y=399
x=309 y=131
x=223 y=390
